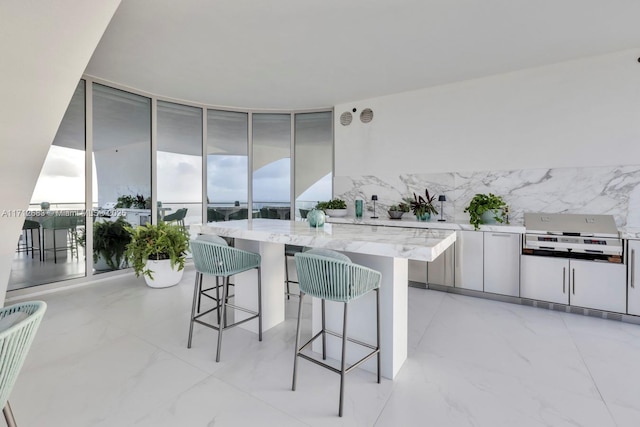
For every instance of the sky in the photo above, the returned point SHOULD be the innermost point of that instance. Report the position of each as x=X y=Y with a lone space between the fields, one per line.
x=179 y=179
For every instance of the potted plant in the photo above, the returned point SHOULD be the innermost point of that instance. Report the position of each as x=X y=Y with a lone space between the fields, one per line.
x=486 y=209
x=395 y=212
x=334 y=207
x=125 y=201
x=158 y=252
x=110 y=240
x=423 y=206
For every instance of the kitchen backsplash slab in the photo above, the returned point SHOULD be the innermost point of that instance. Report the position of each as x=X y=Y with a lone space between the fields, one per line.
x=613 y=190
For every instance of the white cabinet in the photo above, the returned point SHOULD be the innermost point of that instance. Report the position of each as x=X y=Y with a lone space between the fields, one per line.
x=633 y=285
x=599 y=285
x=588 y=284
x=440 y=271
x=502 y=263
x=469 y=260
x=544 y=279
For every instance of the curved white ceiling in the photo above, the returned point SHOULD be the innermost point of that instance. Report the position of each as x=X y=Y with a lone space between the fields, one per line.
x=294 y=54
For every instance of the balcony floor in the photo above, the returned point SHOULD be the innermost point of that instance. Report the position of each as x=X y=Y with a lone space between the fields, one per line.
x=114 y=353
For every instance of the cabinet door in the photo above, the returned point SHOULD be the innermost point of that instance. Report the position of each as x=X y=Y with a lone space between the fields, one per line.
x=633 y=286
x=599 y=285
x=469 y=263
x=544 y=279
x=440 y=270
x=502 y=263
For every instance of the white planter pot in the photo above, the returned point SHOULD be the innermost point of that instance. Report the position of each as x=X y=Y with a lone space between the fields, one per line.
x=163 y=275
x=336 y=212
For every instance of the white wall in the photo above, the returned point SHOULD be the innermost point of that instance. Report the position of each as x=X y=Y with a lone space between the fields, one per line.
x=577 y=113
x=45 y=47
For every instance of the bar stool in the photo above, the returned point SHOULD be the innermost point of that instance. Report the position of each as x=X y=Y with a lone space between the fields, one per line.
x=28 y=245
x=289 y=252
x=330 y=275
x=212 y=256
x=18 y=326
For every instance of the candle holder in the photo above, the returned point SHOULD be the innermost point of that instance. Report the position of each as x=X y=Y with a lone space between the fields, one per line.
x=374 y=198
x=442 y=199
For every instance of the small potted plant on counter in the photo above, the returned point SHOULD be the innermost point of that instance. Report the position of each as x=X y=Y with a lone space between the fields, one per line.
x=395 y=212
x=486 y=209
x=422 y=207
x=158 y=252
x=334 y=207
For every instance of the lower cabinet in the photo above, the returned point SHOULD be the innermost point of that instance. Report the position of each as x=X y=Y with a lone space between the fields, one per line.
x=633 y=287
x=469 y=265
x=502 y=263
x=441 y=270
x=544 y=279
x=599 y=285
x=588 y=284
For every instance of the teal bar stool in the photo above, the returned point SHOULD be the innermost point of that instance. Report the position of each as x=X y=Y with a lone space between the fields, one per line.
x=331 y=276
x=18 y=326
x=289 y=252
x=212 y=256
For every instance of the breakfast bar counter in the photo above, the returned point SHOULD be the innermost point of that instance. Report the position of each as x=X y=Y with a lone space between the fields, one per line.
x=385 y=249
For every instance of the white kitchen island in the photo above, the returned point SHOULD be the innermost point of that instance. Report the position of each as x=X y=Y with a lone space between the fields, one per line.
x=386 y=249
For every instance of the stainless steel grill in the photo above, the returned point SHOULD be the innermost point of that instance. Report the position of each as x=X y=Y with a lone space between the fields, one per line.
x=572 y=235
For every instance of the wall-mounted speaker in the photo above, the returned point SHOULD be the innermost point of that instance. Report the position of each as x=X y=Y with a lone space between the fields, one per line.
x=366 y=115
x=346 y=118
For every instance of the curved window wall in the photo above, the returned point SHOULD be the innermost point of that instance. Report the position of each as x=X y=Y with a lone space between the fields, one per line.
x=145 y=156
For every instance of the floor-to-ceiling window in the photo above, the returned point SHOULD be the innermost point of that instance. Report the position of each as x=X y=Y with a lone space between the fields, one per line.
x=227 y=165
x=313 y=160
x=50 y=246
x=179 y=163
x=121 y=175
x=122 y=170
x=272 y=165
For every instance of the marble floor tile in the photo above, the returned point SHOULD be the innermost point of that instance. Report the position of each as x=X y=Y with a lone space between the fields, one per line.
x=114 y=354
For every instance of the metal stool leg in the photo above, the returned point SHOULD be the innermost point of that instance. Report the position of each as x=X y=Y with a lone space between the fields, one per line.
x=344 y=359
x=378 y=329
x=196 y=293
x=324 y=334
x=286 y=275
x=297 y=348
x=225 y=283
x=259 y=304
x=8 y=415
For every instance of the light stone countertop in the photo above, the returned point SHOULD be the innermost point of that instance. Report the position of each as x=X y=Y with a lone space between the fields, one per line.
x=630 y=232
x=410 y=243
x=411 y=222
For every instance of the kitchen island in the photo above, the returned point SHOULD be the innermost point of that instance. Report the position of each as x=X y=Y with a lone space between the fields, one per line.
x=385 y=249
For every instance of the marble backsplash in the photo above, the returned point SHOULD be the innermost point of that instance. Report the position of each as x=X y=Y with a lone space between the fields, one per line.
x=613 y=190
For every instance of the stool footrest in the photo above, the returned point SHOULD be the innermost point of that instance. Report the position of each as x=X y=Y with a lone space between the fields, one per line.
x=229 y=326
x=368 y=356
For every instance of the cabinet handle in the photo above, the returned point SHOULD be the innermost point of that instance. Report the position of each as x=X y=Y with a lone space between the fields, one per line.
x=564 y=278
x=573 y=270
x=501 y=234
x=633 y=268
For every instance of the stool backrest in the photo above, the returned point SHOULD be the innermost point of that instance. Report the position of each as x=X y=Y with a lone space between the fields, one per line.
x=19 y=324
x=323 y=275
x=221 y=260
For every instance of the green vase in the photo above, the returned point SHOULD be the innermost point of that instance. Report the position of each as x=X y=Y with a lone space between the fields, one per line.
x=424 y=217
